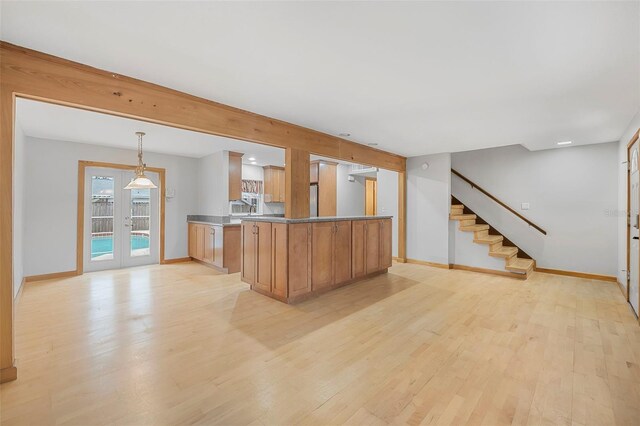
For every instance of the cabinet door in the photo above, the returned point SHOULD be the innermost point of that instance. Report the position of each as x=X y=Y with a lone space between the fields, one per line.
x=372 y=245
x=385 y=243
x=200 y=241
x=313 y=173
x=342 y=252
x=279 y=257
x=299 y=259
x=281 y=182
x=192 y=239
x=218 y=245
x=209 y=253
x=235 y=176
x=263 y=256
x=358 y=257
x=322 y=254
x=248 y=252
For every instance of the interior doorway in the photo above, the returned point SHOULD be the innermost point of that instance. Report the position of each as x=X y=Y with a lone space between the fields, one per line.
x=370 y=196
x=633 y=228
x=121 y=227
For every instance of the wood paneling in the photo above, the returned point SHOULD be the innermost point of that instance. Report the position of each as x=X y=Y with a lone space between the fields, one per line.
x=342 y=252
x=299 y=259
x=322 y=255
x=327 y=190
x=296 y=183
x=235 y=175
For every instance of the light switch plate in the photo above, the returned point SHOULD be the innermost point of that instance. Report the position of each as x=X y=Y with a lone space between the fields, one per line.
x=524 y=206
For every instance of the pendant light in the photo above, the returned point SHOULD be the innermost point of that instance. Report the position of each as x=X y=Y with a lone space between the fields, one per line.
x=140 y=181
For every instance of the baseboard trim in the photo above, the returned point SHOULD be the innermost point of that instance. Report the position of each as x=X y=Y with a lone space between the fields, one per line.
x=399 y=259
x=19 y=294
x=176 y=260
x=8 y=374
x=432 y=264
x=51 y=276
x=585 y=275
x=490 y=271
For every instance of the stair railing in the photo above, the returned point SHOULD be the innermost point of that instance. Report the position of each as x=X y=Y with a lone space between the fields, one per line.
x=479 y=188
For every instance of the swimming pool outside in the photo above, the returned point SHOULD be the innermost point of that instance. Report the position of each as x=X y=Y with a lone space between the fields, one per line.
x=104 y=244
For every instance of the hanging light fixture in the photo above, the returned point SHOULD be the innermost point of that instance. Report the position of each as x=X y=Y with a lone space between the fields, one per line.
x=140 y=181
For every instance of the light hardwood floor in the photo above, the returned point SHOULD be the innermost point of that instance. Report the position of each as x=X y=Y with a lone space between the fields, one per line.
x=179 y=344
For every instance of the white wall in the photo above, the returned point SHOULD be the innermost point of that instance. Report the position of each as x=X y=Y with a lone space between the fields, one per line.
x=428 y=201
x=350 y=195
x=621 y=212
x=571 y=192
x=19 y=164
x=51 y=200
x=388 y=201
x=213 y=184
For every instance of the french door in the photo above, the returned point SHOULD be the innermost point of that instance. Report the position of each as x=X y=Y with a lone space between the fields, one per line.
x=121 y=226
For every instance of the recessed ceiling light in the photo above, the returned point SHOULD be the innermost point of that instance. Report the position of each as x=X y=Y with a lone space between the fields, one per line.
x=372 y=144
x=252 y=159
x=565 y=143
x=344 y=135
x=253 y=162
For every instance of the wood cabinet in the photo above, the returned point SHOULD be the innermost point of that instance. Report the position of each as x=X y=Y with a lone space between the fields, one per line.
x=371 y=251
x=313 y=172
x=293 y=261
x=235 y=176
x=215 y=245
x=299 y=280
x=330 y=254
x=256 y=255
x=274 y=181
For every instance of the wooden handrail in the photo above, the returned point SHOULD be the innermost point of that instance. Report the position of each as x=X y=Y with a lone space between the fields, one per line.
x=474 y=185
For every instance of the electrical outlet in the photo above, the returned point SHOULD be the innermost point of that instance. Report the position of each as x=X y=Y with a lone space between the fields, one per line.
x=524 y=206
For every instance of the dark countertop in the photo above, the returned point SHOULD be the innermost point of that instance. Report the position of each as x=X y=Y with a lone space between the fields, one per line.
x=224 y=220
x=311 y=219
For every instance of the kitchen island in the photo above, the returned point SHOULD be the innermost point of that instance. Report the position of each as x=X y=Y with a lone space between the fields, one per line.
x=215 y=242
x=294 y=259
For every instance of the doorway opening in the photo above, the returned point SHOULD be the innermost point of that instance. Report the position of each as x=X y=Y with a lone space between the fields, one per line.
x=118 y=228
x=371 y=197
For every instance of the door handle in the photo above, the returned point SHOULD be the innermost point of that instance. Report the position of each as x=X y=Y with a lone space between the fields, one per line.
x=636 y=238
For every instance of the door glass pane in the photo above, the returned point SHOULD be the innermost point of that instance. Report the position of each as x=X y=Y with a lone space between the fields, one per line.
x=140 y=221
x=102 y=192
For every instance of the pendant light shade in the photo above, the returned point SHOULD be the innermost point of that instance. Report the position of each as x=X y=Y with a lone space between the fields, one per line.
x=141 y=181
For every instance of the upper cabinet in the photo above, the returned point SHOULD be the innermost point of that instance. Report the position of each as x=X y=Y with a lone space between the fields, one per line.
x=235 y=176
x=274 y=184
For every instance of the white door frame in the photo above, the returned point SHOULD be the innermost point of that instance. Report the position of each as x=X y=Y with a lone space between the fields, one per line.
x=633 y=140
x=81 y=246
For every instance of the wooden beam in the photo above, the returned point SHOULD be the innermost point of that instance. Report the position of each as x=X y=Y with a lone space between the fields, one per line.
x=7 y=110
x=39 y=76
x=402 y=217
x=297 y=180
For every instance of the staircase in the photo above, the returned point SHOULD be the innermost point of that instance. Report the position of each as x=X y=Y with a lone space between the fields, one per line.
x=520 y=267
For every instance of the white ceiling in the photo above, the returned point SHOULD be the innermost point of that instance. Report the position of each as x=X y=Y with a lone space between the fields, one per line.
x=42 y=120
x=414 y=77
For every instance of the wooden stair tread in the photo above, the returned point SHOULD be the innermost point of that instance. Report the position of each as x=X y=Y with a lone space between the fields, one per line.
x=474 y=228
x=489 y=239
x=504 y=251
x=518 y=264
x=462 y=216
x=457 y=206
